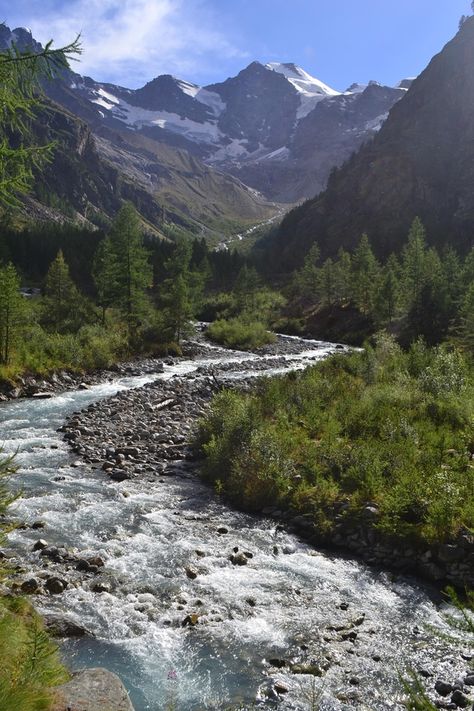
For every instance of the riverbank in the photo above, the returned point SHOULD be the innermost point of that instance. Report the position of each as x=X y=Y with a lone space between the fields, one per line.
x=58 y=381
x=136 y=446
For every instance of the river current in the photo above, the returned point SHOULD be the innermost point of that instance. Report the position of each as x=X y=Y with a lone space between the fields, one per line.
x=290 y=603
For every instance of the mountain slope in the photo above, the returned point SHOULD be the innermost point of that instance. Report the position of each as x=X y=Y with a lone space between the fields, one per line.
x=98 y=164
x=420 y=163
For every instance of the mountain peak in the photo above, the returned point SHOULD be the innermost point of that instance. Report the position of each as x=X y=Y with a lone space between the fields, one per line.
x=301 y=80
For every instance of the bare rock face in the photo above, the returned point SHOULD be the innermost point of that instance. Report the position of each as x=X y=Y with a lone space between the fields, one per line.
x=92 y=690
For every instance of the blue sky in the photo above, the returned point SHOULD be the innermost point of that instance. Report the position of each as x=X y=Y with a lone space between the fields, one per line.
x=339 y=41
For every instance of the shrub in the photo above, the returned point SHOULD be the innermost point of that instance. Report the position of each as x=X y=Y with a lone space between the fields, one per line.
x=397 y=434
x=240 y=333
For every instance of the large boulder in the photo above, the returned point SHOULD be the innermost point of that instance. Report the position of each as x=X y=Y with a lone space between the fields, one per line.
x=92 y=690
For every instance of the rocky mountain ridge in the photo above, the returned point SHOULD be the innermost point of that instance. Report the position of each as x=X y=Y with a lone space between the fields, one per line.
x=273 y=126
x=258 y=126
x=419 y=164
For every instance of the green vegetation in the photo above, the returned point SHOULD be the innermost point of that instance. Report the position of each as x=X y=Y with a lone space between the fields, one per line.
x=240 y=333
x=19 y=83
x=30 y=661
x=245 y=314
x=419 y=292
x=384 y=427
x=30 y=664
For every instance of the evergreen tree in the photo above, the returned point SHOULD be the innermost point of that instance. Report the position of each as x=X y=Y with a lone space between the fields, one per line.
x=103 y=273
x=388 y=292
x=306 y=279
x=414 y=265
x=327 y=282
x=466 y=319
x=343 y=277
x=179 y=292
x=467 y=271
x=246 y=288
x=129 y=274
x=12 y=311
x=62 y=303
x=365 y=271
x=20 y=73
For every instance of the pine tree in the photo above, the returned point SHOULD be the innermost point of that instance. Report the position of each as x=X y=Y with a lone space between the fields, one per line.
x=327 y=283
x=414 y=264
x=62 y=303
x=388 y=291
x=103 y=273
x=20 y=74
x=365 y=271
x=466 y=320
x=342 y=277
x=306 y=279
x=179 y=291
x=246 y=287
x=129 y=275
x=12 y=311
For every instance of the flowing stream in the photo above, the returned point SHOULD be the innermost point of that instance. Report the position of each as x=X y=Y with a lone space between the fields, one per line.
x=290 y=603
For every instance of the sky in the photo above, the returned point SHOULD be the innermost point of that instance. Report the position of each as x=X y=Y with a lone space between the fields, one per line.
x=129 y=42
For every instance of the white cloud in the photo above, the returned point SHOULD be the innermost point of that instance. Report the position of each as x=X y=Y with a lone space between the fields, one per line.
x=132 y=41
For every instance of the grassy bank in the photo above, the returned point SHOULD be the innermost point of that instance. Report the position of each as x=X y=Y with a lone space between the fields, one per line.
x=30 y=665
x=380 y=427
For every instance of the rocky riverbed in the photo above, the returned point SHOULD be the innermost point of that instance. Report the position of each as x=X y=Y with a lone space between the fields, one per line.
x=126 y=550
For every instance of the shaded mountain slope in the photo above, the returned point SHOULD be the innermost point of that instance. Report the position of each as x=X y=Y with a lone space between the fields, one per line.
x=420 y=163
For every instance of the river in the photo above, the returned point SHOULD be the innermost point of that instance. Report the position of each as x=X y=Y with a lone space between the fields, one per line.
x=290 y=603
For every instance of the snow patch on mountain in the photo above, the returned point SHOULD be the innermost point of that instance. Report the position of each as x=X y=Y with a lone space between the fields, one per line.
x=136 y=117
x=376 y=123
x=311 y=90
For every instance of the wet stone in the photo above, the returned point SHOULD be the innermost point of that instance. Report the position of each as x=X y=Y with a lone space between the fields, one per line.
x=29 y=587
x=460 y=699
x=443 y=687
x=55 y=586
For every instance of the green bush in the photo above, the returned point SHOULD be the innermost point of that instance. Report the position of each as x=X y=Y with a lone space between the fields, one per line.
x=383 y=427
x=240 y=333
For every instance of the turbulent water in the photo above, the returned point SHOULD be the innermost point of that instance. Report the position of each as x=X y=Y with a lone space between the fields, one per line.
x=285 y=604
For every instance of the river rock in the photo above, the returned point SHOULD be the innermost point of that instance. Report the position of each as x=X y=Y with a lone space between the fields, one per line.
x=92 y=690
x=100 y=587
x=119 y=475
x=306 y=668
x=281 y=688
x=40 y=545
x=238 y=559
x=63 y=627
x=30 y=586
x=96 y=561
x=460 y=699
x=443 y=687
x=55 y=586
x=191 y=573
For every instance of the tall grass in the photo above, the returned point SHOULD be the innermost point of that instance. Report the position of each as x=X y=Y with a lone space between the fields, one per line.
x=30 y=665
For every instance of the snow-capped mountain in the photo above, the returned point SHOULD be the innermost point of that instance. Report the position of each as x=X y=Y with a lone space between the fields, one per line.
x=274 y=126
